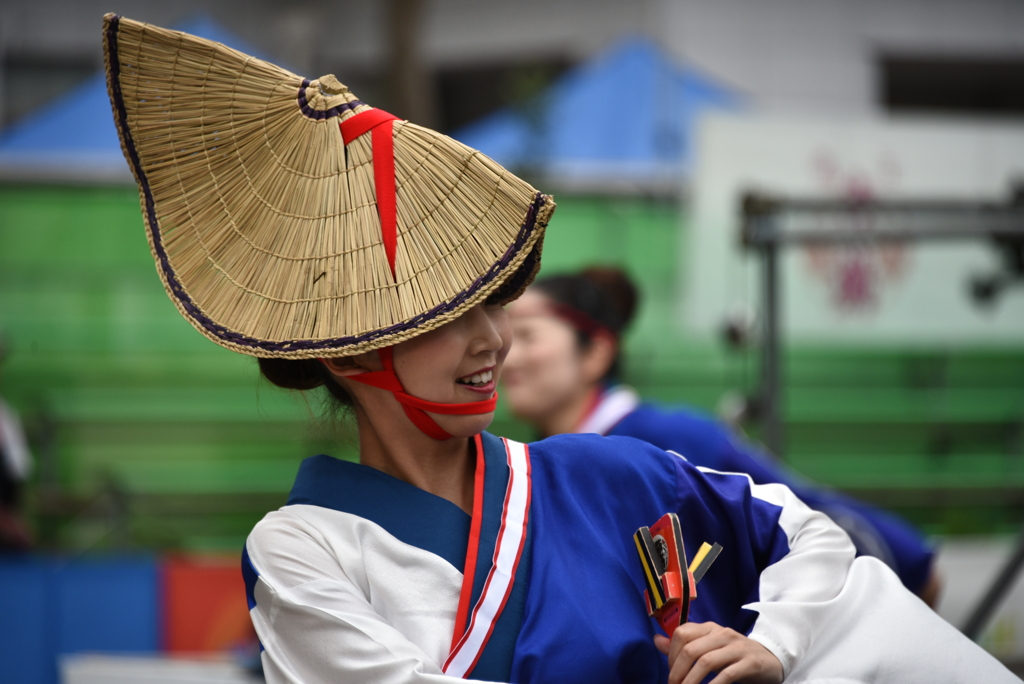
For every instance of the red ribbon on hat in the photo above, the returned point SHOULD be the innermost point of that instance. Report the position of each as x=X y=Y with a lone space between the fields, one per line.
x=381 y=124
x=416 y=408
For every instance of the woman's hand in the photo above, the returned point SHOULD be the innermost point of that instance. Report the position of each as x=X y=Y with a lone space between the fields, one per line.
x=698 y=649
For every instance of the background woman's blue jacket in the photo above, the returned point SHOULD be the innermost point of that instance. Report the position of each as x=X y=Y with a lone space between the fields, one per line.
x=706 y=442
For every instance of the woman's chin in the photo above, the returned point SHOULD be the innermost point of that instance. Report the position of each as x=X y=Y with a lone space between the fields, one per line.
x=464 y=426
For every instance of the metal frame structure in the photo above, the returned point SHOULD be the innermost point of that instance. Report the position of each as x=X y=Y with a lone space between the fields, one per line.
x=771 y=224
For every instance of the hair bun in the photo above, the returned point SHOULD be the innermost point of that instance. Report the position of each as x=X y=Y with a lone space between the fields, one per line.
x=605 y=294
x=618 y=291
x=297 y=374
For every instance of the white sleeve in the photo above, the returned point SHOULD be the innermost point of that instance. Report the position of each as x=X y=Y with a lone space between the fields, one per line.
x=812 y=573
x=877 y=632
x=321 y=619
x=830 y=618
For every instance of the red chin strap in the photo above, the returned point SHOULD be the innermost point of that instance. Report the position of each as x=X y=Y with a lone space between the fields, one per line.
x=416 y=408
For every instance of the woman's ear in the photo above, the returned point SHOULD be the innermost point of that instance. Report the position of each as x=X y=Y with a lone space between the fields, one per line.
x=599 y=356
x=347 y=366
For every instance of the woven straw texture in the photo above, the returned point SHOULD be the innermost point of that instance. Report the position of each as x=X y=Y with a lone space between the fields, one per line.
x=264 y=224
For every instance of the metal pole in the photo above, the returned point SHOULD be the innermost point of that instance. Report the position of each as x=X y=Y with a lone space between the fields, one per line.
x=913 y=220
x=994 y=596
x=771 y=412
x=411 y=95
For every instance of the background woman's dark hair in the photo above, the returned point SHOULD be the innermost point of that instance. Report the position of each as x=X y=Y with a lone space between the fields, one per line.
x=304 y=374
x=604 y=294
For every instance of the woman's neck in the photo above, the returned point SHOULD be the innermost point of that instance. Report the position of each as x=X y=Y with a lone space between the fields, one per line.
x=569 y=416
x=444 y=468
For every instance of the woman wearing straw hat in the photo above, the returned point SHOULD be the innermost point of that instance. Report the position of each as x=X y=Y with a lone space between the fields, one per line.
x=347 y=249
x=563 y=376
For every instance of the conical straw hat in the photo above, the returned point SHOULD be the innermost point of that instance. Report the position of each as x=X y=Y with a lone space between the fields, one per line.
x=265 y=224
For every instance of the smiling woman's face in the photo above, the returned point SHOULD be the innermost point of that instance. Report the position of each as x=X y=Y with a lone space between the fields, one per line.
x=459 y=362
x=544 y=371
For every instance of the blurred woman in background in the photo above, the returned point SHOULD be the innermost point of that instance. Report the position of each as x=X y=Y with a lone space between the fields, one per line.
x=563 y=376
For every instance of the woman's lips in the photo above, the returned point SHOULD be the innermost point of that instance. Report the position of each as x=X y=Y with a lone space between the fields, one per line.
x=487 y=389
x=481 y=381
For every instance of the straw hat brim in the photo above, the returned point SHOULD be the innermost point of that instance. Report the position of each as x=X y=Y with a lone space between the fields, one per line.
x=264 y=226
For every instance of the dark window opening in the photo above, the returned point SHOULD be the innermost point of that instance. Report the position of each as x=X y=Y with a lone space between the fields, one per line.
x=968 y=85
x=468 y=93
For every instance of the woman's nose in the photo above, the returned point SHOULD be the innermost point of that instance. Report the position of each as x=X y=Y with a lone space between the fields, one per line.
x=487 y=325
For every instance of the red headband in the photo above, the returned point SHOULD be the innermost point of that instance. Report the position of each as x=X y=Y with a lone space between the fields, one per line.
x=415 y=408
x=581 y=321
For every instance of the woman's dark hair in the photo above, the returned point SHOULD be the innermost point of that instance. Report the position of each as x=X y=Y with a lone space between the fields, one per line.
x=604 y=295
x=304 y=374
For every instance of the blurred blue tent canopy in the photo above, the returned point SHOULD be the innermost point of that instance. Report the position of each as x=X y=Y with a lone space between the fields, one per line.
x=73 y=137
x=626 y=117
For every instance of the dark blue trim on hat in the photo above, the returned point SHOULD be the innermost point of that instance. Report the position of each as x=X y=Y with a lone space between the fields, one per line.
x=321 y=114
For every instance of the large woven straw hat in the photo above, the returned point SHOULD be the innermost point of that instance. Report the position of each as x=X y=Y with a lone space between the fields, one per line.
x=287 y=221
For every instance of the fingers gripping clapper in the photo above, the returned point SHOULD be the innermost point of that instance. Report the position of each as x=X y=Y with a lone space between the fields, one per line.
x=671 y=582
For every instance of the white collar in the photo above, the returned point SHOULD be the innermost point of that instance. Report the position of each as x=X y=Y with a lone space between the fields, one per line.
x=614 y=405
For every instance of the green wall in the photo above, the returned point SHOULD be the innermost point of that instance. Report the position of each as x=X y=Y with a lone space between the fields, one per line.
x=147 y=434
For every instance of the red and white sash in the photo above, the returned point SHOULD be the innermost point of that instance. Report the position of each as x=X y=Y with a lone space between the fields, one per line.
x=507 y=552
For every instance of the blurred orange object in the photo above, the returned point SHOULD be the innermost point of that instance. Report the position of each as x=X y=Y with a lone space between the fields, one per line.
x=204 y=605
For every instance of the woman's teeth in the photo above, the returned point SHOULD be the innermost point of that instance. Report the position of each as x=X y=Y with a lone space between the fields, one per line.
x=477 y=379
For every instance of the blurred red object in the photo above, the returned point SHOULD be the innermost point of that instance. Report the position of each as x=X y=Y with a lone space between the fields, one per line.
x=204 y=605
